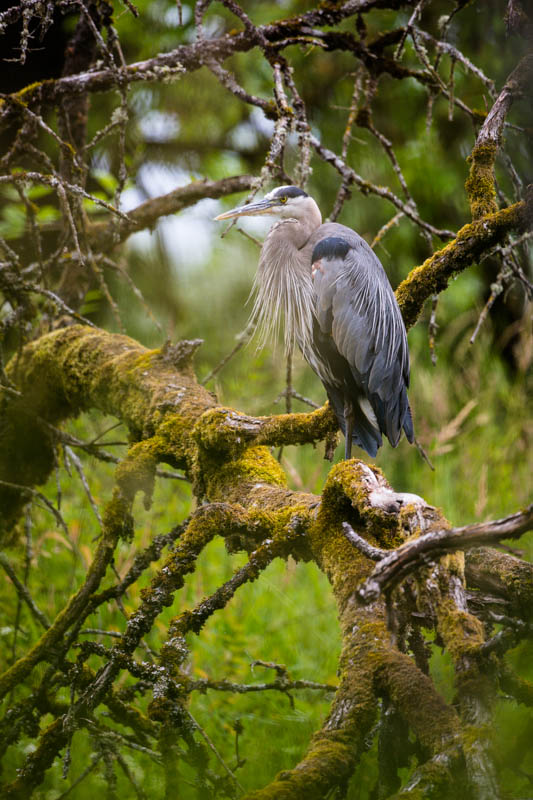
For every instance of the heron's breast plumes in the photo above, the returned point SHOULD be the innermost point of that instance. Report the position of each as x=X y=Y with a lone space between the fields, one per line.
x=283 y=288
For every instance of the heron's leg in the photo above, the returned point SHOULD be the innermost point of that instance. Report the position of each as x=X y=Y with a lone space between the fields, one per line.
x=349 y=420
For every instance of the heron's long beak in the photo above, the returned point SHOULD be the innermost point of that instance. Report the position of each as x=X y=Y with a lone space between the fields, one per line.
x=262 y=207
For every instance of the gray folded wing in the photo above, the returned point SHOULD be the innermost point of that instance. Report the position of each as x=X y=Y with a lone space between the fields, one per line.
x=357 y=315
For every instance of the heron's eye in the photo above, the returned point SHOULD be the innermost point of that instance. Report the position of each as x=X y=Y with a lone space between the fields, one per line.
x=283 y=200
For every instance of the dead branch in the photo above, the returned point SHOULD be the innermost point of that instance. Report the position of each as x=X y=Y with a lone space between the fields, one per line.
x=187 y=58
x=394 y=566
x=350 y=176
x=145 y=215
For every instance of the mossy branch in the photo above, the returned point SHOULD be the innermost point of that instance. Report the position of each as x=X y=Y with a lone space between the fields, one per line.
x=227 y=430
x=504 y=576
x=473 y=241
x=480 y=184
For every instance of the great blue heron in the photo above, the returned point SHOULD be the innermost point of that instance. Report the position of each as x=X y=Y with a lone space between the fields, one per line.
x=339 y=307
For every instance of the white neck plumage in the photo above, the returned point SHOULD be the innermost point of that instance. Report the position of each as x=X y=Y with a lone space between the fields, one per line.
x=283 y=284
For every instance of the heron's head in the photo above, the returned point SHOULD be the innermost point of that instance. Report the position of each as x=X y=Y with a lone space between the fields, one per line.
x=287 y=202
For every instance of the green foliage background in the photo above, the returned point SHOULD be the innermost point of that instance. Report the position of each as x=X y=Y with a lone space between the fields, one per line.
x=470 y=410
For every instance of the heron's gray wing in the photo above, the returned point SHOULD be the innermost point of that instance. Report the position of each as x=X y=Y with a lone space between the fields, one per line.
x=343 y=392
x=356 y=307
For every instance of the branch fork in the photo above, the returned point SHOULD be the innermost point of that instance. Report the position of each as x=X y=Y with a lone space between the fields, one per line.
x=395 y=565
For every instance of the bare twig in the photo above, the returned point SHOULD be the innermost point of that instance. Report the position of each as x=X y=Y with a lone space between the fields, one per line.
x=279 y=685
x=70 y=455
x=23 y=592
x=433 y=328
x=33 y=493
x=412 y=19
x=147 y=213
x=214 y=750
x=369 y=188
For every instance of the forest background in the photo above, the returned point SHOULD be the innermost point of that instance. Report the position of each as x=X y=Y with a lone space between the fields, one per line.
x=170 y=275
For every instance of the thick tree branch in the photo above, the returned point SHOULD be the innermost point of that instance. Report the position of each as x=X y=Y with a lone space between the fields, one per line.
x=226 y=430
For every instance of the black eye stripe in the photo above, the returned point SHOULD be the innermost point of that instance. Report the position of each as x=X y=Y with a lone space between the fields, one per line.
x=291 y=191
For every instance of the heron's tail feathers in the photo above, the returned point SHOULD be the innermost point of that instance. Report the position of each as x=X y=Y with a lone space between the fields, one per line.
x=367 y=438
x=368 y=426
x=393 y=414
x=408 y=425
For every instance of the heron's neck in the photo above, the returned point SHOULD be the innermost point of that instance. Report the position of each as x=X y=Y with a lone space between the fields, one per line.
x=283 y=283
x=298 y=231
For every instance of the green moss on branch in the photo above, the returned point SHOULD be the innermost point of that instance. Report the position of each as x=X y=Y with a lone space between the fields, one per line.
x=228 y=431
x=472 y=241
x=480 y=185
